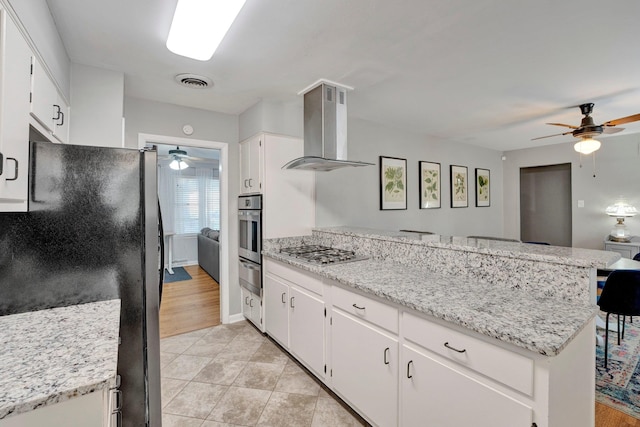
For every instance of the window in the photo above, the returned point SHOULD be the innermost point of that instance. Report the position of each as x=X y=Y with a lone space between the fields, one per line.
x=191 y=199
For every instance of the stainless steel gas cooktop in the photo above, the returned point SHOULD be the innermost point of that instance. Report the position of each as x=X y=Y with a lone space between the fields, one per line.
x=321 y=255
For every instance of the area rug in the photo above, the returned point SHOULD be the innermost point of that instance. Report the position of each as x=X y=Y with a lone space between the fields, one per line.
x=618 y=386
x=179 y=274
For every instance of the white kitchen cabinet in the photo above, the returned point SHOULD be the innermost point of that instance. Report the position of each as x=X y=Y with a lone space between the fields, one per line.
x=48 y=107
x=295 y=313
x=89 y=410
x=288 y=197
x=306 y=328
x=364 y=368
x=250 y=181
x=252 y=307
x=276 y=309
x=15 y=83
x=438 y=395
x=625 y=249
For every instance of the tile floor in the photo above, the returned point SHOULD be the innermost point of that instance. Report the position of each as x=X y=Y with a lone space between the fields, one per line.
x=231 y=375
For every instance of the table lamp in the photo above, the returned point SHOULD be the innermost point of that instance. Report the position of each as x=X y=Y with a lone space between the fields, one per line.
x=620 y=211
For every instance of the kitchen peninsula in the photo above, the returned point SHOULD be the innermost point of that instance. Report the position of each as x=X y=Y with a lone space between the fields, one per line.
x=57 y=365
x=443 y=331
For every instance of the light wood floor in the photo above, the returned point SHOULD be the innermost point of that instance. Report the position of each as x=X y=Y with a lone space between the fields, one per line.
x=189 y=305
x=195 y=304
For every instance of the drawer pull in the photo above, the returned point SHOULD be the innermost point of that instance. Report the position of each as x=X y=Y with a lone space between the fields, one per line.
x=386 y=353
x=284 y=299
x=453 y=348
x=409 y=369
x=359 y=308
x=291 y=302
x=251 y=303
x=246 y=300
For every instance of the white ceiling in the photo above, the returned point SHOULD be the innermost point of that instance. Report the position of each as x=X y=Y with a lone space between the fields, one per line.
x=483 y=72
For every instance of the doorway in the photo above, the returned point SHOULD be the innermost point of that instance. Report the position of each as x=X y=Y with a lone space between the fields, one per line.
x=148 y=140
x=545 y=204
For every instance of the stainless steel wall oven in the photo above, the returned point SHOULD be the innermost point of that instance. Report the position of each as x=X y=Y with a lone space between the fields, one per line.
x=250 y=242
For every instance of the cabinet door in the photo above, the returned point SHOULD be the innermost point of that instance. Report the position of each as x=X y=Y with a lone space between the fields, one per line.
x=306 y=329
x=246 y=303
x=255 y=304
x=364 y=364
x=250 y=166
x=44 y=97
x=15 y=85
x=276 y=309
x=436 y=395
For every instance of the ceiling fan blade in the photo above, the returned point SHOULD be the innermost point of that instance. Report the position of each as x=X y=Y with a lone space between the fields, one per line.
x=562 y=124
x=611 y=130
x=549 y=136
x=622 y=120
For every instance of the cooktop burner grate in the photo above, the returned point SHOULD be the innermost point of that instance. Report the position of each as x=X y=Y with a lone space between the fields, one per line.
x=321 y=255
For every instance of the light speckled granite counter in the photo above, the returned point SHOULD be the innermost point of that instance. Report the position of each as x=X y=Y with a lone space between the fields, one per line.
x=49 y=356
x=542 y=253
x=533 y=296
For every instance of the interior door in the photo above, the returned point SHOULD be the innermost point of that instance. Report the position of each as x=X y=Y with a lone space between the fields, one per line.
x=545 y=204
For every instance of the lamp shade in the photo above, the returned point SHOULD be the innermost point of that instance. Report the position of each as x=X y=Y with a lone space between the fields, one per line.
x=178 y=164
x=621 y=210
x=587 y=146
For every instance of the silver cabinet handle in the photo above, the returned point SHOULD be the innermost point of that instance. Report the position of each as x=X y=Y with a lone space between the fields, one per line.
x=250 y=185
x=359 y=308
x=291 y=302
x=386 y=353
x=61 y=121
x=409 y=369
x=15 y=175
x=453 y=348
x=284 y=296
x=245 y=184
x=246 y=300
x=251 y=303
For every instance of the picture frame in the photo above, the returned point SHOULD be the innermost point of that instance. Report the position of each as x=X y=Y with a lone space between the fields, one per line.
x=483 y=187
x=430 y=185
x=459 y=186
x=393 y=183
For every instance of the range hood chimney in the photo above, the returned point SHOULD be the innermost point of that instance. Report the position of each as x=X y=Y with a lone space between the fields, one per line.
x=325 y=129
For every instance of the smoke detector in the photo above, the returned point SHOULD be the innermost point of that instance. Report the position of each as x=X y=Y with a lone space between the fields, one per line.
x=194 y=81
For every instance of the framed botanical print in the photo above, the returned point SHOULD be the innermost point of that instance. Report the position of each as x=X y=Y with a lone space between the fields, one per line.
x=483 y=184
x=459 y=196
x=393 y=183
x=429 y=184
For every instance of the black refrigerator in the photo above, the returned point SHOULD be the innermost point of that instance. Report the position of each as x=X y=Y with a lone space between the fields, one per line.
x=92 y=234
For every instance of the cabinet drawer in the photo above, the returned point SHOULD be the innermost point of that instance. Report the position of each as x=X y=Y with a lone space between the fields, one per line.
x=511 y=369
x=373 y=311
x=292 y=274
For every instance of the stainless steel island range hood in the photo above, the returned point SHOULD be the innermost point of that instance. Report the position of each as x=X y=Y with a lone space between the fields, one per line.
x=325 y=130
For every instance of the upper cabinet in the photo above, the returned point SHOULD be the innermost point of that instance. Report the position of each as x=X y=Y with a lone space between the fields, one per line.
x=47 y=106
x=288 y=195
x=250 y=165
x=15 y=82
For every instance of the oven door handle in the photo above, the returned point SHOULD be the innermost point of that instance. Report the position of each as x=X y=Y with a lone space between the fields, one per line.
x=247 y=265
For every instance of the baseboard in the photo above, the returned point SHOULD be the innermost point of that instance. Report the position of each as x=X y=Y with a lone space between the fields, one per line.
x=234 y=318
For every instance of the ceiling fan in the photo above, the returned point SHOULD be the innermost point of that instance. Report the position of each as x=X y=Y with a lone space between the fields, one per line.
x=178 y=156
x=588 y=129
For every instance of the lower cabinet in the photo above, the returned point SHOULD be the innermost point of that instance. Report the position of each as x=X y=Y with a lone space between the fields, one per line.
x=252 y=307
x=364 y=368
x=295 y=316
x=434 y=394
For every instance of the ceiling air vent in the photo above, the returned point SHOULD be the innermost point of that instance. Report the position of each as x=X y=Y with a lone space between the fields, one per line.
x=194 y=81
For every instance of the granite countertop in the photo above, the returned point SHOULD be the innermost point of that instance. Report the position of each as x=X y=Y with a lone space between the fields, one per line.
x=53 y=355
x=553 y=254
x=542 y=325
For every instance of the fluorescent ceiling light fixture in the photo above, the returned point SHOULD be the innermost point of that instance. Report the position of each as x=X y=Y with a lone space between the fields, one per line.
x=587 y=146
x=199 y=26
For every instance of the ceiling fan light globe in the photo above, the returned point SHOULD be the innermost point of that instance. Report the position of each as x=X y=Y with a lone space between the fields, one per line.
x=587 y=146
x=177 y=164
